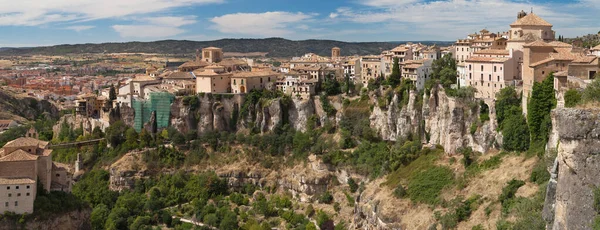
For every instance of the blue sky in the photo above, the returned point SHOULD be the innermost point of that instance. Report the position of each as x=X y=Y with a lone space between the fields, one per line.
x=50 y=22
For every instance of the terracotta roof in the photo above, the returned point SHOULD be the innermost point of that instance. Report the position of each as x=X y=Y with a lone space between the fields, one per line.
x=209 y=72
x=493 y=51
x=60 y=166
x=412 y=66
x=585 y=59
x=254 y=74
x=538 y=43
x=531 y=19
x=180 y=75
x=26 y=141
x=486 y=59
x=561 y=74
x=194 y=64
x=231 y=62
x=6 y=181
x=46 y=152
x=560 y=44
x=400 y=49
x=19 y=155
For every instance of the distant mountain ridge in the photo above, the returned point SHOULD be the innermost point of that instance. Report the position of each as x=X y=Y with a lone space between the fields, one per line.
x=276 y=47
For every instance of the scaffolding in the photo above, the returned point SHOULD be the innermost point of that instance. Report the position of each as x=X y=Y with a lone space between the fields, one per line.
x=159 y=102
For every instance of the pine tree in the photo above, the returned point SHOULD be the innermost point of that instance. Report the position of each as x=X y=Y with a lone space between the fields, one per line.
x=394 y=79
x=112 y=94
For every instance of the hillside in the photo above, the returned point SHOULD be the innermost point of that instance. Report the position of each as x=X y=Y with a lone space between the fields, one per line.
x=276 y=47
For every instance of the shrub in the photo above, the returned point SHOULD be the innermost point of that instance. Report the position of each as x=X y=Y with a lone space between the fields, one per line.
x=352 y=184
x=399 y=192
x=326 y=198
x=572 y=98
x=473 y=128
x=540 y=174
x=515 y=131
x=508 y=193
x=426 y=186
x=484 y=111
x=592 y=92
x=310 y=210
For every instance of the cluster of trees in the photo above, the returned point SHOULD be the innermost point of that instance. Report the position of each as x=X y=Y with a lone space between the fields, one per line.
x=511 y=121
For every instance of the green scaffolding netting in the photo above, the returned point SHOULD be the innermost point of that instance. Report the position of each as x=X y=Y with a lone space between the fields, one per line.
x=159 y=102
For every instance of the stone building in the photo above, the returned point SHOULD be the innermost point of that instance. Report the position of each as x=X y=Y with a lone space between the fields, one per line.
x=23 y=162
x=243 y=82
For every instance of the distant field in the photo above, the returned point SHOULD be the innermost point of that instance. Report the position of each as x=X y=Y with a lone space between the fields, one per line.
x=5 y=63
x=239 y=54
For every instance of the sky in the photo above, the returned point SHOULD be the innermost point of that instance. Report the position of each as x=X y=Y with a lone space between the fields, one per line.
x=25 y=23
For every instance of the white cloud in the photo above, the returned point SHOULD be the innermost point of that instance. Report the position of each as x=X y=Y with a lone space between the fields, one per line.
x=386 y=3
x=79 y=28
x=147 y=31
x=170 y=20
x=449 y=19
x=266 y=24
x=30 y=12
x=333 y=15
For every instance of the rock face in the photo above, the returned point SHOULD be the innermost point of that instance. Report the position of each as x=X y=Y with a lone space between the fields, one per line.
x=25 y=108
x=125 y=171
x=570 y=196
x=88 y=124
x=441 y=120
x=77 y=219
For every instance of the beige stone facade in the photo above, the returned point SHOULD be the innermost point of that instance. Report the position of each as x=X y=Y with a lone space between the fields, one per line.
x=244 y=82
x=23 y=161
x=488 y=71
x=213 y=79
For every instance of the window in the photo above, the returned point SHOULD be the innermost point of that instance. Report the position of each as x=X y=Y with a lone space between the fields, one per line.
x=5 y=204
x=482 y=77
x=469 y=67
x=242 y=81
x=9 y=195
x=481 y=67
x=543 y=72
x=498 y=78
x=18 y=194
x=494 y=68
x=213 y=85
x=490 y=78
x=28 y=187
x=469 y=76
x=16 y=203
x=234 y=82
x=8 y=188
x=261 y=80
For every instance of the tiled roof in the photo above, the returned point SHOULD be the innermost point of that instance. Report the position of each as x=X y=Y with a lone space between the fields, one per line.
x=232 y=62
x=400 y=49
x=538 y=43
x=560 y=44
x=6 y=181
x=486 y=59
x=596 y=47
x=561 y=74
x=195 y=64
x=180 y=75
x=531 y=20
x=254 y=74
x=493 y=51
x=19 y=155
x=26 y=141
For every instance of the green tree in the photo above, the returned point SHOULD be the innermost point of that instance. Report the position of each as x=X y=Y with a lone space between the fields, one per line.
x=505 y=100
x=542 y=101
x=395 y=78
x=444 y=70
x=99 y=216
x=592 y=92
x=115 y=133
x=146 y=139
x=112 y=94
x=572 y=98
x=515 y=134
x=229 y=221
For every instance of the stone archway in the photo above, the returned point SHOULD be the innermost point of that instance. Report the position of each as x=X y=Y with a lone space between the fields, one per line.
x=242 y=89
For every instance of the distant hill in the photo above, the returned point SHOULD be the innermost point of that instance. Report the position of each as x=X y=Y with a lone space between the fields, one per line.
x=276 y=47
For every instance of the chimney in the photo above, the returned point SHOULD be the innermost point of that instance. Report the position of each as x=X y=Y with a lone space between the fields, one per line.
x=198 y=55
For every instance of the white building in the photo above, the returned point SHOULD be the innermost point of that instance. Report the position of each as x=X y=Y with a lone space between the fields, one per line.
x=417 y=71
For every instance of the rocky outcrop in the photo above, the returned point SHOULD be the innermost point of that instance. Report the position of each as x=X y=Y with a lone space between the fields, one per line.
x=575 y=175
x=438 y=119
x=306 y=182
x=125 y=171
x=448 y=122
x=74 y=122
x=77 y=219
x=22 y=109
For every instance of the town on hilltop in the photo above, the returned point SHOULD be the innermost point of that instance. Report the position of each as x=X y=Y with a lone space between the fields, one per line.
x=140 y=114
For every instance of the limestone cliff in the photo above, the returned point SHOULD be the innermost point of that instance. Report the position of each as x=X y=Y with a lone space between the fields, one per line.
x=570 y=196
x=88 y=124
x=441 y=119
